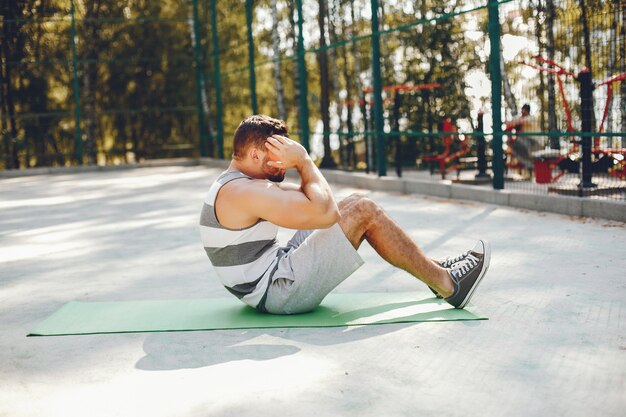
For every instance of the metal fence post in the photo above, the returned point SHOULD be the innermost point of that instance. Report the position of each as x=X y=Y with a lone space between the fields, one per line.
x=480 y=149
x=496 y=95
x=586 y=110
x=199 y=84
x=217 y=81
x=79 y=134
x=302 y=78
x=378 y=89
x=255 y=108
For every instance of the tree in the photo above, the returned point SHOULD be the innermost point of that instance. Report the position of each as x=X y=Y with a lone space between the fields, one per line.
x=551 y=51
x=278 y=79
x=622 y=48
x=357 y=56
x=201 y=83
x=322 y=56
x=332 y=14
x=12 y=52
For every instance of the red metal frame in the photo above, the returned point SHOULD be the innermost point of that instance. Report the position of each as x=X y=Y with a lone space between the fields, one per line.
x=405 y=87
x=448 y=156
x=395 y=88
x=620 y=170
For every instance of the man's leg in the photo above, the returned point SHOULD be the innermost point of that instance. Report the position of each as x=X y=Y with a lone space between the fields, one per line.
x=361 y=218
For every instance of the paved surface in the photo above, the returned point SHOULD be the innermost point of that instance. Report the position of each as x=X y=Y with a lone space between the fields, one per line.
x=555 y=344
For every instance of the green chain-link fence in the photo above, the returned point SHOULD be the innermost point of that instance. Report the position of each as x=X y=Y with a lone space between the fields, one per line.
x=430 y=88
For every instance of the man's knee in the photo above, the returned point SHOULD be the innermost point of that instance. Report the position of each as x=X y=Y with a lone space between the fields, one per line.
x=369 y=207
x=360 y=206
x=351 y=199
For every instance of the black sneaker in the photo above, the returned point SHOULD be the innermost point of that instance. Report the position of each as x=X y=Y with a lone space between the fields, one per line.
x=447 y=263
x=467 y=274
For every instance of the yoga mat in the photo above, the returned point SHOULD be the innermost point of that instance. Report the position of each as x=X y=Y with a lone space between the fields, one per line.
x=336 y=310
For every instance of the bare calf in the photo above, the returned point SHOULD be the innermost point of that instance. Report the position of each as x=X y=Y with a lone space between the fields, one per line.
x=362 y=219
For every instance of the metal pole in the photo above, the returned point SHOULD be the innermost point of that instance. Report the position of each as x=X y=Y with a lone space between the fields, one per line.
x=496 y=95
x=199 y=74
x=217 y=81
x=302 y=78
x=378 y=91
x=255 y=108
x=586 y=110
x=79 y=134
x=480 y=149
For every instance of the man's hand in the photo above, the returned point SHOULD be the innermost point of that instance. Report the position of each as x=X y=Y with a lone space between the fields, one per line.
x=310 y=206
x=285 y=153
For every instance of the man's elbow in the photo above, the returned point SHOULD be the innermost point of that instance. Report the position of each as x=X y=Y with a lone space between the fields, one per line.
x=331 y=217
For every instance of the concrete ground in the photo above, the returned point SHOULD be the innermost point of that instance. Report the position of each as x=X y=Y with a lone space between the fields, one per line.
x=555 y=295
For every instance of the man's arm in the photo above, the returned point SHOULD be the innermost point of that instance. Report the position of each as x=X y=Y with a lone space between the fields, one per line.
x=289 y=186
x=311 y=207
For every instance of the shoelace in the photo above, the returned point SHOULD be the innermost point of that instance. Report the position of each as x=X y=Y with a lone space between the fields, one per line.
x=451 y=261
x=463 y=267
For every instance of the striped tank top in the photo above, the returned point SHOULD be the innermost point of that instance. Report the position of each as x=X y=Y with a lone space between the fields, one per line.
x=245 y=260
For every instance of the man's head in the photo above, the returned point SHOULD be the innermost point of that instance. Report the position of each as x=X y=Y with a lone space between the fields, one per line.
x=526 y=109
x=249 y=144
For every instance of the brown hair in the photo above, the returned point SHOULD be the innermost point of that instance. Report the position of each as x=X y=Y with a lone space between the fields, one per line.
x=254 y=130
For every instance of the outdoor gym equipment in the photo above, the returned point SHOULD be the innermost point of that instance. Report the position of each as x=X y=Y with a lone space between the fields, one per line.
x=394 y=94
x=545 y=163
x=448 y=160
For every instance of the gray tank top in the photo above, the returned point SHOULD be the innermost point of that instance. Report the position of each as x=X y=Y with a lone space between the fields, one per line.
x=245 y=260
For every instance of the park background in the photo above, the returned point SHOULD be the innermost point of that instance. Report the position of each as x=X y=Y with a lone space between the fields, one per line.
x=91 y=89
x=104 y=82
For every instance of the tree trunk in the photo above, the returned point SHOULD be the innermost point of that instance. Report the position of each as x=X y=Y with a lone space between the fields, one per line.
x=206 y=110
x=542 y=82
x=506 y=87
x=38 y=95
x=90 y=87
x=622 y=53
x=586 y=42
x=138 y=148
x=587 y=48
x=296 y=75
x=369 y=164
x=327 y=160
x=611 y=66
x=6 y=136
x=550 y=49
x=11 y=31
x=347 y=78
x=397 y=103
x=332 y=12
x=6 y=141
x=278 y=79
x=2 y=110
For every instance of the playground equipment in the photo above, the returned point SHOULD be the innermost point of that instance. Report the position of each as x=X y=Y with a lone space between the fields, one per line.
x=609 y=160
x=405 y=87
x=394 y=98
x=455 y=145
x=448 y=160
x=618 y=154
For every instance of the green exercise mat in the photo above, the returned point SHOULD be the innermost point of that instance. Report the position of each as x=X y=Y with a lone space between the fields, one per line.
x=229 y=313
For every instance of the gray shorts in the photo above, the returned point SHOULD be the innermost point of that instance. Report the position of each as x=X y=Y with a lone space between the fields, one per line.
x=320 y=260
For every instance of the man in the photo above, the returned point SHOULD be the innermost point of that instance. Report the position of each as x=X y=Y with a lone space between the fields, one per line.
x=523 y=147
x=248 y=202
x=523 y=123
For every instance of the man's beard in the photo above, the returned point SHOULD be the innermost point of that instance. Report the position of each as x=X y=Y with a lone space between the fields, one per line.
x=273 y=174
x=276 y=177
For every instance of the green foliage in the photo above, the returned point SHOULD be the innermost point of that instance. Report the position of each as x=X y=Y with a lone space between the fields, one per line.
x=138 y=87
